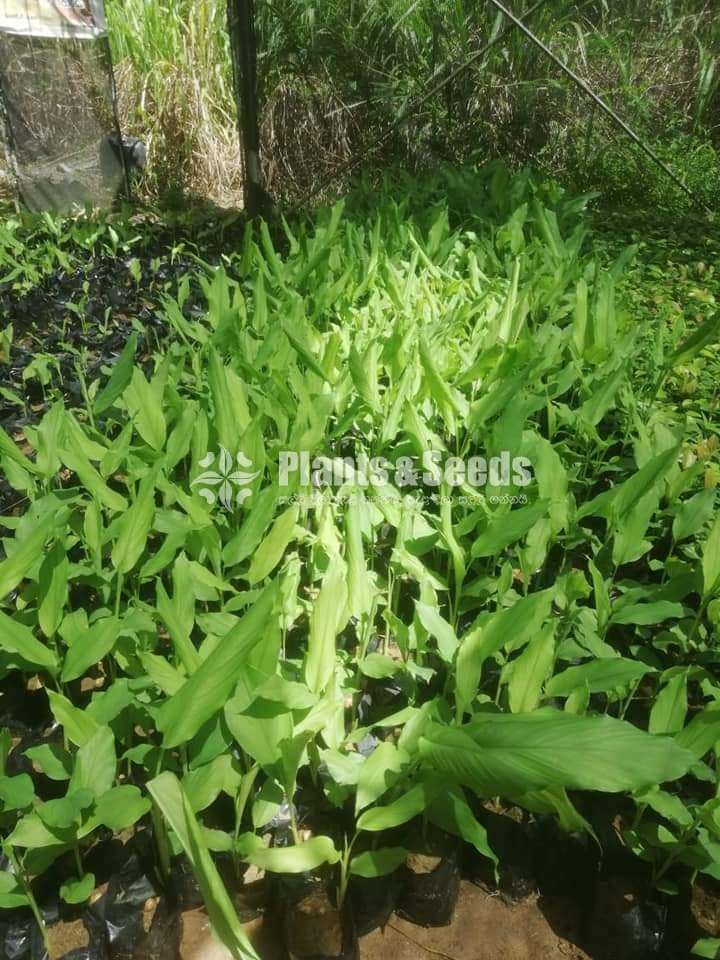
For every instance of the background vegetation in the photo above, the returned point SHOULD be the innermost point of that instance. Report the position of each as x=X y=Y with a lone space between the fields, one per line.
x=336 y=75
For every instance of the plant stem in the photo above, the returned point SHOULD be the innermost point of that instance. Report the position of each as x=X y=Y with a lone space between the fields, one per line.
x=27 y=890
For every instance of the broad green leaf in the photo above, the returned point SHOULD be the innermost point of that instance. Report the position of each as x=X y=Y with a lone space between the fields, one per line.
x=531 y=670
x=326 y=621
x=271 y=551
x=121 y=808
x=380 y=771
x=360 y=593
x=260 y=729
x=439 y=628
x=75 y=460
x=508 y=528
x=53 y=589
x=16 y=793
x=168 y=794
x=52 y=759
x=598 y=676
x=710 y=562
x=135 y=526
x=512 y=627
x=95 y=764
x=405 y=808
x=702 y=733
x=90 y=647
x=146 y=410
x=648 y=614
x=18 y=639
x=11 y=893
x=706 y=334
x=507 y=755
x=452 y=813
x=259 y=516
x=708 y=948
x=78 y=725
x=26 y=552
x=78 y=891
x=670 y=707
x=300 y=858
x=378 y=863
x=693 y=515
x=119 y=378
x=208 y=689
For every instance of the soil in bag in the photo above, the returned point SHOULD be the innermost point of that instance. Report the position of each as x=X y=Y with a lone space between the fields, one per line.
x=430 y=880
x=313 y=927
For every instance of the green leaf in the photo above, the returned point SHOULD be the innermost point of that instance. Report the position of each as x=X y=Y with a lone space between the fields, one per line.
x=512 y=627
x=271 y=551
x=119 y=378
x=405 y=808
x=670 y=707
x=693 y=515
x=16 y=638
x=260 y=732
x=168 y=794
x=78 y=891
x=145 y=407
x=52 y=759
x=90 y=647
x=95 y=764
x=439 y=628
x=710 y=562
x=708 y=948
x=209 y=688
x=300 y=858
x=648 y=614
x=326 y=621
x=380 y=771
x=78 y=725
x=16 y=793
x=260 y=514
x=508 y=528
x=65 y=813
x=135 y=526
x=378 y=863
x=531 y=670
x=598 y=676
x=11 y=893
x=452 y=813
x=706 y=334
x=26 y=552
x=508 y=755
x=121 y=808
x=702 y=733
x=53 y=589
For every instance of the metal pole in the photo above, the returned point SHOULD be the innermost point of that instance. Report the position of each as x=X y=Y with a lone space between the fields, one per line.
x=617 y=120
x=241 y=27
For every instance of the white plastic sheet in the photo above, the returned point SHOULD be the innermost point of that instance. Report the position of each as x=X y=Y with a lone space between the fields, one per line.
x=59 y=19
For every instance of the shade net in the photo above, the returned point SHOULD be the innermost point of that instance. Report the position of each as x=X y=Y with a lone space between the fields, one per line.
x=57 y=95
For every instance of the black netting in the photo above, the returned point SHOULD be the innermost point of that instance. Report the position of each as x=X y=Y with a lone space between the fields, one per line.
x=59 y=120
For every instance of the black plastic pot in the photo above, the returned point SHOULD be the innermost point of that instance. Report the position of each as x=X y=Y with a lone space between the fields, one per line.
x=313 y=928
x=515 y=846
x=430 y=882
x=373 y=901
x=627 y=922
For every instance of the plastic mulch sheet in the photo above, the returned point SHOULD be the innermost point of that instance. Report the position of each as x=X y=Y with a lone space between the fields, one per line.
x=56 y=88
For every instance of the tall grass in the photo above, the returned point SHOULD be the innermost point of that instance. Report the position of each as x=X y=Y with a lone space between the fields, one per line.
x=334 y=74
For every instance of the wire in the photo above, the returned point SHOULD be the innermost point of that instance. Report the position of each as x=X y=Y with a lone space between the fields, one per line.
x=586 y=88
